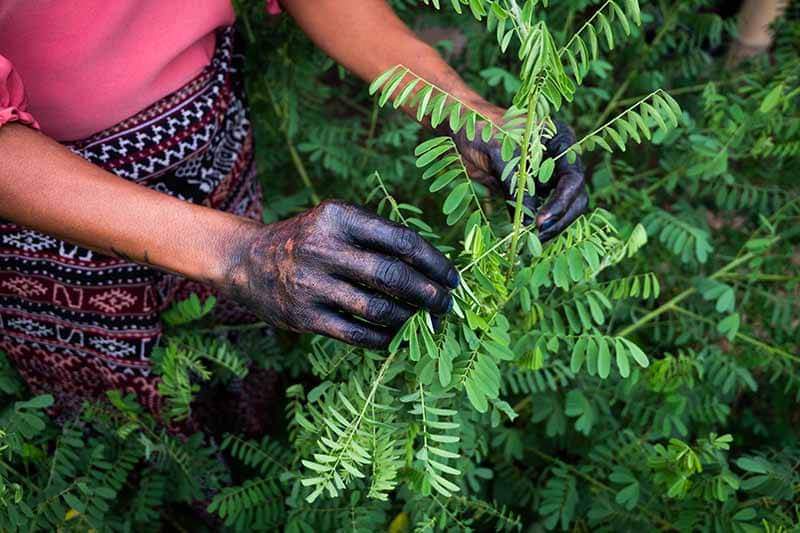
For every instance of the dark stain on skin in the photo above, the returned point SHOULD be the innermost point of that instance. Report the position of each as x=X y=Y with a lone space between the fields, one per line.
x=337 y=270
x=566 y=194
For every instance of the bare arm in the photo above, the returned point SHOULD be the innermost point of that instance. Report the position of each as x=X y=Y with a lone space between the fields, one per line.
x=368 y=38
x=46 y=187
x=314 y=272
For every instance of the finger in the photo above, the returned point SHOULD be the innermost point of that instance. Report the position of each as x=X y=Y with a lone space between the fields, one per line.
x=531 y=205
x=392 y=277
x=567 y=190
x=575 y=210
x=368 y=305
x=559 y=144
x=393 y=239
x=350 y=330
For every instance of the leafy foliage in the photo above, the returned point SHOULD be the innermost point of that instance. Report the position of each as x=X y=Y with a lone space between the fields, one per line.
x=639 y=372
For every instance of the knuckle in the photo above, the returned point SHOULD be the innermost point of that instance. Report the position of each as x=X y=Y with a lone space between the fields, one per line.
x=333 y=210
x=356 y=335
x=406 y=241
x=314 y=253
x=329 y=206
x=393 y=274
x=378 y=308
x=440 y=299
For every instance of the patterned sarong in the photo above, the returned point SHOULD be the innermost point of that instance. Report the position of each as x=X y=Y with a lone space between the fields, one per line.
x=76 y=323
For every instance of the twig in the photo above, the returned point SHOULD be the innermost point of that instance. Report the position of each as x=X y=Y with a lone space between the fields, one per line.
x=741 y=336
x=599 y=484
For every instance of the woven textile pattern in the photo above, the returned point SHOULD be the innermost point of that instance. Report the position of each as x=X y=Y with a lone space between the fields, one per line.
x=76 y=323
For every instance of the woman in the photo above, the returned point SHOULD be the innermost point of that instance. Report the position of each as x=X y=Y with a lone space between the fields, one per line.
x=127 y=180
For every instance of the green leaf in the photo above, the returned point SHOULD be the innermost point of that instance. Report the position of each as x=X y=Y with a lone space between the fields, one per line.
x=534 y=245
x=442 y=181
x=424 y=96
x=729 y=326
x=437 y=106
x=752 y=465
x=606 y=28
x=546 y=170
x=578 y=355
x=413 y=344
x=507 y=148
x=74 y=502
x=455 y=198
x=637 y=353
x=455 y=117
x=772 y=99
x=623 y=364
x=404 y=94
x=380 y=80
x=575 y=261
x=499 y=351
x=429 y=144
x=391 y=87
x=486 y=132
x=603 y=359
x=476 y=397
x=429 y=156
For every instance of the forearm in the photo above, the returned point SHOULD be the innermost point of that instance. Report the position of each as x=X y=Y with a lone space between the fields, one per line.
x=368 y=38
x=46 y=187
x=755 y=18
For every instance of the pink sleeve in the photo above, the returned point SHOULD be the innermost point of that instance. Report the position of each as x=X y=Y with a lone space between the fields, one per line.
x=13 y=103
x=273 y=7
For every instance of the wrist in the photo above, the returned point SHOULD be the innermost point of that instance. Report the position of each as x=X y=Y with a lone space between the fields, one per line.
x=213 y=255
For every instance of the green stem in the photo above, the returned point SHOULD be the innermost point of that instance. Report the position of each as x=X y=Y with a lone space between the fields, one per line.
x=599 y=484
x=741 y=336
x=22 y=478
x=296 y=160
x=634 y=70
x=301 y=169
x=373 y=122
x=522 y=178
x=671 y=304
x=601 y=127
x=585 y=25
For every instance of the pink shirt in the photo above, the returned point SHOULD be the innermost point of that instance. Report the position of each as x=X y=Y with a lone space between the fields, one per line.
x=76 y=67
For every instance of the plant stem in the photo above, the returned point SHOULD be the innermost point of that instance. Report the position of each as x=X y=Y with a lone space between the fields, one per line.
x=741 y=336
x=522 y=178
x=587 y=23
x=600 y=128
x=22 y=478
x=671 y=304
x=634 y=70
x=599 y=484
x=298 y=163
x=373 y=122
x=301 y=169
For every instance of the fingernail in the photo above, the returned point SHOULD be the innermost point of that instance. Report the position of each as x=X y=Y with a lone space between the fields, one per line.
x=546 y=225
x=453 y=279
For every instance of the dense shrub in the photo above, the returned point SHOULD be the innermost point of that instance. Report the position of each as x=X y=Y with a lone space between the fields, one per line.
x=641 y=371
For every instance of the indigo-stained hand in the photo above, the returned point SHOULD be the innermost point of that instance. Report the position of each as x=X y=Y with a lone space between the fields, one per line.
x=566 y=188
x=340 y=271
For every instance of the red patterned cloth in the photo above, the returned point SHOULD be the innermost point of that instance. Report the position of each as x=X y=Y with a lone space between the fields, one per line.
x=76 y=323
